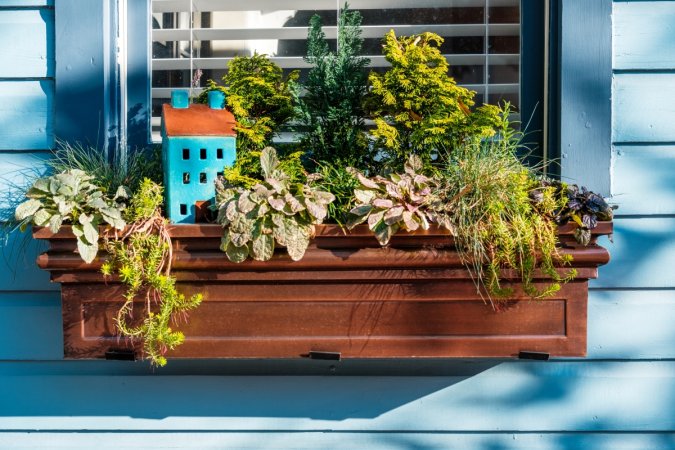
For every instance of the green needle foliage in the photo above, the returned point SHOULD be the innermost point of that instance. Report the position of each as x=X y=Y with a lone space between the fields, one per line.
x=494 y=221
x=418 y=108
x=141 y=258
x=331 y=111
x=260 y=97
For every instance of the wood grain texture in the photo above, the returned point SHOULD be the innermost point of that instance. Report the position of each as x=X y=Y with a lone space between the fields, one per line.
x=337 y=441
x=539 y=397
x=585 y=93
x=643 y=35
x=27 y=43
x=643 y=179
x=643 y=107
x=359 y=321
x=26 y=115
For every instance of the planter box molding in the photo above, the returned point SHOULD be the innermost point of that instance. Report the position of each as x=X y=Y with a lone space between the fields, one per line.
x=347 y=296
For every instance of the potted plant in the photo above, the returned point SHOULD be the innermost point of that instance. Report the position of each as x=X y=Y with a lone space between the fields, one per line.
x=423 y=237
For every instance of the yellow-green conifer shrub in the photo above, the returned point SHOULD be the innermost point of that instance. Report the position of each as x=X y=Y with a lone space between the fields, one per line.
x=260 y=97
x=418 y=108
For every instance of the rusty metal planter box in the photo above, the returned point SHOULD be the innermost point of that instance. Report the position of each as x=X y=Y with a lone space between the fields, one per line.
x=410 y=299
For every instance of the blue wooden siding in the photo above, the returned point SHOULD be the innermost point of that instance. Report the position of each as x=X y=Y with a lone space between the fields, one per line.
x=621 y=397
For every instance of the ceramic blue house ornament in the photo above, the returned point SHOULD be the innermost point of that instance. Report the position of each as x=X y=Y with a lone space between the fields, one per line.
x=198 y=141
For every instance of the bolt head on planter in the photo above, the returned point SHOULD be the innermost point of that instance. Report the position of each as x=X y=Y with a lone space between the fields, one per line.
x=198 y=142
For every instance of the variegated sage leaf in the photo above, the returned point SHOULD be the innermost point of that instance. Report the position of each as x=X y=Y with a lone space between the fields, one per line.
x=374 y=219
x=268 y=161
x=263 y=247
x=87 y=250
x=393 y=215
x=236 y=254
x=316 y=210
x=41 y=217
x=297 y=238
x=27 y=209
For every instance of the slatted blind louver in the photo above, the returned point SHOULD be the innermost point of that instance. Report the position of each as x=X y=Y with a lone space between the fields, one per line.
x=482 y=38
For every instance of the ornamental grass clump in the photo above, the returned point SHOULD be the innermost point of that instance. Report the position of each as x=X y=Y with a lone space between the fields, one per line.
x=496 y=225
x=418 y=108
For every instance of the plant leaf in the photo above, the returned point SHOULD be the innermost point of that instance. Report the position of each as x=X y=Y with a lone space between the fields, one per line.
x=383 y=203
x=55 y=223
x=374 y=219
x=268 y=161
x=27 y=209
x=236 y=254
x=263 y=247
x=394 y=215
x=245 y=204
x=364 y=195
x=86 y=250
x=297 y=238
x=384 y=232
x=41 y=217
x=367 y=182
x=316 y=210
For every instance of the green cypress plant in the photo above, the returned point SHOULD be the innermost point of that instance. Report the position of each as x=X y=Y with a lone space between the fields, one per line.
x=418 y=108
x=331 y=111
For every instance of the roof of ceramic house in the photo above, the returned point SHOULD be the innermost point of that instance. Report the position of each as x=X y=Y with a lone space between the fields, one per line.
x=197 y=120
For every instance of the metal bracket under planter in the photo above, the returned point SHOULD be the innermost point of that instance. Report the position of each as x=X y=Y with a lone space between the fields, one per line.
x=348 y=297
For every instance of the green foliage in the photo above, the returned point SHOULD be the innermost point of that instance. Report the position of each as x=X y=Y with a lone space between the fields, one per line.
x=145 y=202
x=418 y=108
x=274 y=211
x=341 y=182
x=394 y=203
x=494 y=221
x=259 y=96
x=108 y=173
x=71 y=197
x=331 y=111
x=247 y=171
x=583 y=207
x=141 y=258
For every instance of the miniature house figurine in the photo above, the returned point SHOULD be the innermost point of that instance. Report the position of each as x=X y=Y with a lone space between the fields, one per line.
x=198 y=141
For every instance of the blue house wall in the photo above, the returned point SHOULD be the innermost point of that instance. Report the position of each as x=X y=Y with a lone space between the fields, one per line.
x=622 y=396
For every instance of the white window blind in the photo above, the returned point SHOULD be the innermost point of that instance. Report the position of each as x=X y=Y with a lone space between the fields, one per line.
x=482 y=38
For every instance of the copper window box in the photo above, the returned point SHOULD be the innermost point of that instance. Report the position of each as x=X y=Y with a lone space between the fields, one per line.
x=411 y=299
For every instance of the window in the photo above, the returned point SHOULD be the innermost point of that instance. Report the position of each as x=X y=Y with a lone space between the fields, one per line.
x=482 y=38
